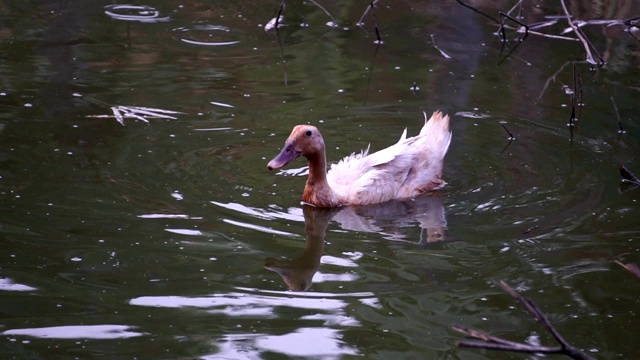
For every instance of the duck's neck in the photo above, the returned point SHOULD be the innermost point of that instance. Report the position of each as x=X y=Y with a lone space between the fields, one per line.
x=317 y=190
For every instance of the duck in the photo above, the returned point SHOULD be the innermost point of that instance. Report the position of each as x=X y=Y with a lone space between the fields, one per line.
x=409 y=168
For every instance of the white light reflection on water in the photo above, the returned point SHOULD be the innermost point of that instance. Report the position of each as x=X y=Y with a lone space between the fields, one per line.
x=188 y=232
x=322 y=343
x=316 y=342
x=169 y=216
x=218 y=129
x=259 y=228
x=333 y=260
x=320 y=277
x=9 y=285
x=106 y=331
x=221 y=104
x=274 y=212
x=240 y=304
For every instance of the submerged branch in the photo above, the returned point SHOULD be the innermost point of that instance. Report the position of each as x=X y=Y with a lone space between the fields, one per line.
x=496 y=343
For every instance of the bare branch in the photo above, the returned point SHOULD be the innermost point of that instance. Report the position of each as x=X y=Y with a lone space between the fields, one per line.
x=579 y=34
x=369 y=7
x=326 y=12
x=628 y=176
x=495 y=343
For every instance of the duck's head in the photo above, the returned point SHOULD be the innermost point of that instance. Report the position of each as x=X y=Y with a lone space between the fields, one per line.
x=305 y=140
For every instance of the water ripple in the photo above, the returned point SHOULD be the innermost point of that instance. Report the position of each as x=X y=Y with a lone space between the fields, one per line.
x=207 y=35
x=140 y=13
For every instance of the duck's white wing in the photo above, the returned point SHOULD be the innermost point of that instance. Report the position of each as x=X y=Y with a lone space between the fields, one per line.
x=405 y=169
x=362 y=178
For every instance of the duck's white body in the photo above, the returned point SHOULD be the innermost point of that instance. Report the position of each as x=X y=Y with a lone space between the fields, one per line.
x=410 y=167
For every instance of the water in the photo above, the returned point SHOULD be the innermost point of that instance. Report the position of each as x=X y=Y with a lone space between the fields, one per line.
x=151 y=240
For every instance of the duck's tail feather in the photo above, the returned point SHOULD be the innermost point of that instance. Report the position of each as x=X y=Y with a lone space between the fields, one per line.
x=437 y=134
x=403 y=137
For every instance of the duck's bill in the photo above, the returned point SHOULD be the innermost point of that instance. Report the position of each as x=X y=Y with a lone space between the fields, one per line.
x=286 y=156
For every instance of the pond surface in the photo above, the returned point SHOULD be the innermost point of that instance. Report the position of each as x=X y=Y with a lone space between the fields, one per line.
x=150 y=240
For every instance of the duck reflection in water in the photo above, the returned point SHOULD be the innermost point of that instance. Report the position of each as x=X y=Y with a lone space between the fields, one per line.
x=298 y=272
x=386 y=219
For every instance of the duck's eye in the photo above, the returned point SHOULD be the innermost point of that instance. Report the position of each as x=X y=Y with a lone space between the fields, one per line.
x=308 y=133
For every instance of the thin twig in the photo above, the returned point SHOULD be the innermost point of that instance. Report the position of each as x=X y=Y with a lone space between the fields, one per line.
x=326 y=12
x=519 y=3
x=630 y=24
x=580 y=102
x=511 y=137
x=615 y=107
x=522 y=25
x=573 y=119
x=478 y=11
x=628 y=176
x=118 y=115
x=549 y=36
x=369 y=7
x=280 y=44
x=542 y=24
x=375 y=24
x=444 y=54
x=370 y=76
x=552 y=77
x=279 y=16
x=633 y=268
x=587 y=49
x=137 y=112
x=511 y=51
